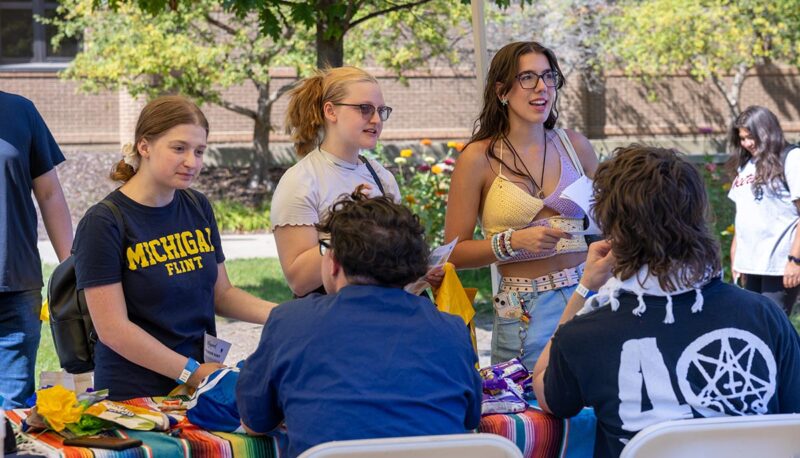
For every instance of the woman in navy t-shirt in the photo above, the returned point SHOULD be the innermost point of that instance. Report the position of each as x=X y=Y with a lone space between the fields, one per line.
x=154 y=285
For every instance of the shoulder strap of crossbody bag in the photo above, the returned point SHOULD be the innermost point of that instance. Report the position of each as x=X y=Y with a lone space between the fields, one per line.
x=372 y=172
x=570 y=151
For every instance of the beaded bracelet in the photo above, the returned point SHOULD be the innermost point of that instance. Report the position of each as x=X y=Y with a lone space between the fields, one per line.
x=507 y=239
x=496 y=248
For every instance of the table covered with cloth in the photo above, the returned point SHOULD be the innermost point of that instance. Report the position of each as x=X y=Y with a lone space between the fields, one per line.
x=184 y=440
x=540 y=435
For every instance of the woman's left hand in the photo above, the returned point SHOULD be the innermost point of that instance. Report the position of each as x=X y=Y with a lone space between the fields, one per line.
x=791 y=275
x=435 y=276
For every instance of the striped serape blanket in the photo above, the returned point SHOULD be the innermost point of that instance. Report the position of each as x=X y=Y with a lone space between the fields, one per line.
x=540 y=435
x=184 y=440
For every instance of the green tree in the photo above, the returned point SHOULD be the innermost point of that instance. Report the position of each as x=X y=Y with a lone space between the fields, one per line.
x=196 y=50
x=713 y=40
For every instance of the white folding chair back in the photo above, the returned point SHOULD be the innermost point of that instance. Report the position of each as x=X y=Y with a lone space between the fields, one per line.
x=448 y=446
x=754 y=436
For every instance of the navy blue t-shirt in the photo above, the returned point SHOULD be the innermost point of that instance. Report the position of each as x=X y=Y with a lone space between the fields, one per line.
x=168 y=274
x=367 y=362
x=738 y=356
x=27 y=150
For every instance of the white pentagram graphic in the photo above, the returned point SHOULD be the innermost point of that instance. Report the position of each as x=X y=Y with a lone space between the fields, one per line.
x=727 y=372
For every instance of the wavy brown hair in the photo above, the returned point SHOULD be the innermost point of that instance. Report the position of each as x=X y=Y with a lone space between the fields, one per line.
x=652 y=206
x=766 y=130
x=305 y=121
x=376 y=240
x=156 y=118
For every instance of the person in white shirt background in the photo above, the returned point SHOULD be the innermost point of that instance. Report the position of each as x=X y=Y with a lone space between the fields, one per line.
x=766 y=246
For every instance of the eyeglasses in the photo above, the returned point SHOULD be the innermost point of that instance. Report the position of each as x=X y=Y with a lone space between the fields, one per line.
x=324 y=246
x=368 y=110
x=529 y=79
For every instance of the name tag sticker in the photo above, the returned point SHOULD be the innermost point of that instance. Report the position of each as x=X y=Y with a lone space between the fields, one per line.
x=215 y=350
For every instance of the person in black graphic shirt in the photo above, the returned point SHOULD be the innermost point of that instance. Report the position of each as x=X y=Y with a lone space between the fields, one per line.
x=663 y=338
x=154 y=286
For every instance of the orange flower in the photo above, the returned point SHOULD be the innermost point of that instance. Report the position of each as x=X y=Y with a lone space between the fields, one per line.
x=426 y=142
x=459 y=146
x=411 y=199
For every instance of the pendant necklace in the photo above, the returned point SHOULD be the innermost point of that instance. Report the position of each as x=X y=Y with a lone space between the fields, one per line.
x=540 y=184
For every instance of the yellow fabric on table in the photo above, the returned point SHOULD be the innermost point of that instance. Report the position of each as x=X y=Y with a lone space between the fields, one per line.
x=453 y=298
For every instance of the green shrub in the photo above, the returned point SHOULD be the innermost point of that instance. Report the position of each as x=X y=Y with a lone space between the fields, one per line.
x=722 y=209
x=235 y=217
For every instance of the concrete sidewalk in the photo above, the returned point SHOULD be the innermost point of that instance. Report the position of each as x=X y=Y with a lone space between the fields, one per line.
x=235 y=246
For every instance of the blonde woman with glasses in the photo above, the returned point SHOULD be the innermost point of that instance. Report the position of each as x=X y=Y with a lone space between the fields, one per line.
x=331 y=116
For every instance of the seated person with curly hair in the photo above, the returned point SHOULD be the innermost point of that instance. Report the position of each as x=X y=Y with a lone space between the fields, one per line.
x=368 y=359
x=664 y=338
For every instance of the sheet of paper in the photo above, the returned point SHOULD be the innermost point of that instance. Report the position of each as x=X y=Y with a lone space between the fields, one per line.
x=581 y=193
x=216 y=349
x=440 y=255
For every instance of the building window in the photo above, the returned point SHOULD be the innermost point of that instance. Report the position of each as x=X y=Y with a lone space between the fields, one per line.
x=23 y=39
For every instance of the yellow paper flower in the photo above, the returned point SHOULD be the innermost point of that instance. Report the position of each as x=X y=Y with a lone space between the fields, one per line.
x=437 y=169
x=451 y=144
x=406 y=152
x=426 y=142
x=59 y=406
x=730 y=229
x=726 y=186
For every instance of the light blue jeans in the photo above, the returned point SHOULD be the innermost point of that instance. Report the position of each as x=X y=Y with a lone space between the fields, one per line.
x=545 y=310
x=20 y=330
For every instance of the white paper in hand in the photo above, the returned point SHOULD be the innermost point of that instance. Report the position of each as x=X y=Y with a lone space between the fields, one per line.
x=580 y=192
x=216 y=349
x=440 y=255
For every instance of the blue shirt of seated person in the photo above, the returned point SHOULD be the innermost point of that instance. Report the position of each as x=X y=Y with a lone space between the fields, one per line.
x=367 y=360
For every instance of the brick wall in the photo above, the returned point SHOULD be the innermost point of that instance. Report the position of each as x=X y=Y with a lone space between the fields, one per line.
x=73 y=118
x=439 y=105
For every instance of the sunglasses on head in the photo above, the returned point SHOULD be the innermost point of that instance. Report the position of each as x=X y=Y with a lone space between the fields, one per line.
x=367 y=110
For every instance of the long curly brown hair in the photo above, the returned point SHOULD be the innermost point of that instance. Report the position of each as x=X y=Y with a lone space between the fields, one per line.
x=651 y=204
x=766 y=130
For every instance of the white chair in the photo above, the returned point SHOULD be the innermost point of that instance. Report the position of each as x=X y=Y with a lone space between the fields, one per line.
x=448 y=446
x=754 y=436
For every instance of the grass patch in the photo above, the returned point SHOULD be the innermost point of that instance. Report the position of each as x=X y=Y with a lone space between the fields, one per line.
x=235 y=217
x=260 y=277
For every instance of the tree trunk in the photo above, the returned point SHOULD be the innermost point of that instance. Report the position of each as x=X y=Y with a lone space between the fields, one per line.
x=731 y=94
x=330 y=47
x=262 y=156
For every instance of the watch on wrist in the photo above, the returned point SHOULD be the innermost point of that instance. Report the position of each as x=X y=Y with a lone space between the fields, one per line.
x=189 y=369
x=584 y=292
x=794 y=259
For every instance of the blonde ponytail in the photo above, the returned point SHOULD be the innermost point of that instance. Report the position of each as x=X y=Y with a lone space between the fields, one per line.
x=305 y=121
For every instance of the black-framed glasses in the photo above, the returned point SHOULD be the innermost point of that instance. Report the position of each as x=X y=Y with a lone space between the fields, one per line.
x=324 y=246
x=367 y=110
x=529 y=79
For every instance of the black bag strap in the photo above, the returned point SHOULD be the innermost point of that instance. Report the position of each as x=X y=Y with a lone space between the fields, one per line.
x=195 y=201
x=784 y=154
x=372 y=172
x=118 y=218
